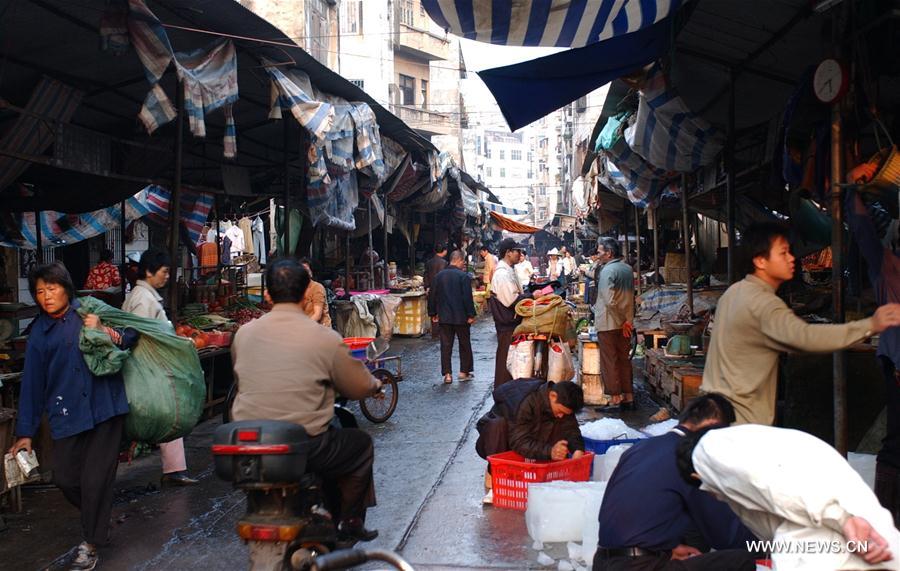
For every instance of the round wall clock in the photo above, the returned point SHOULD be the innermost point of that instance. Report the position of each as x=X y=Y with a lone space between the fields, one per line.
x=830 y=81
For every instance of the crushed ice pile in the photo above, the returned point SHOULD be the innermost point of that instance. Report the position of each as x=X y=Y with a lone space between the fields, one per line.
x=609 y=429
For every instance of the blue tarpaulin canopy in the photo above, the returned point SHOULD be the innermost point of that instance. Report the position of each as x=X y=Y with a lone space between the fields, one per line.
x=530 y=90
x=549 y=23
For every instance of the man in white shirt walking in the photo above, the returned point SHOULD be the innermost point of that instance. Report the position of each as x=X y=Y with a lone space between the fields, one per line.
x=506 y=292
x=792 y=489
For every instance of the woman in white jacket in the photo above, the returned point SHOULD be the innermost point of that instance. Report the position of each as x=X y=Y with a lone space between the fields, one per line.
x=145 y=301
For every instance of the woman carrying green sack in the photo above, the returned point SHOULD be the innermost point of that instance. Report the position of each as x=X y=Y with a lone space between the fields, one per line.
x=86 y=411
x=145 y=301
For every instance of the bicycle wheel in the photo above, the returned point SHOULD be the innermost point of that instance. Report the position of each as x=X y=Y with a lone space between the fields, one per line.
x=379 y=407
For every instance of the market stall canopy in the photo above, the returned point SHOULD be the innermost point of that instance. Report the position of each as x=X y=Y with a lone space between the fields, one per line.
x=511 y=225
x=106 y=159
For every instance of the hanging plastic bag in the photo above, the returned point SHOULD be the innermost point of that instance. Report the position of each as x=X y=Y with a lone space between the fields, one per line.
x=559 y=363
x=611 y=132
x=164 y=382
x=520 y=359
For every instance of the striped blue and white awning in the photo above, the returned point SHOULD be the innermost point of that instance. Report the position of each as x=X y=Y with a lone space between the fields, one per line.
x=500 y=209
x=549 y=23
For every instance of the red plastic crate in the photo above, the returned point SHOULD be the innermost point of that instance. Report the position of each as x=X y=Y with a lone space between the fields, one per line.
x=511 y=473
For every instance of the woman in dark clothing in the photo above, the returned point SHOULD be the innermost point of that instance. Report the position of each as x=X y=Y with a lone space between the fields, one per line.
x=85 y=411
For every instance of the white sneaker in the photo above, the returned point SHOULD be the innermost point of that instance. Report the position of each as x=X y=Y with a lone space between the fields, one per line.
x=488 y=498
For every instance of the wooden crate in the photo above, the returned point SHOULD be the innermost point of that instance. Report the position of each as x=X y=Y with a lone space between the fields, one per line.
x=686 y=386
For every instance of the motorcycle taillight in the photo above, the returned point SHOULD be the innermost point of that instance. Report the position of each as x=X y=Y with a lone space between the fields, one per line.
x=250 y=532
x=251 y=435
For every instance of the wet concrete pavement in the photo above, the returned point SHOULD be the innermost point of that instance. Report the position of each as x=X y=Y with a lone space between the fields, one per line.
x=428 y=478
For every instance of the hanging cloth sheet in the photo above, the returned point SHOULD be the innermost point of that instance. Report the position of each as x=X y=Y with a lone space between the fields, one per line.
x=195 y=207
x=511 y=225
x=499 y=208
x=17 y=230
x=668 y=134
x=629 y=175
x=33 y=132
x=208 y=76
x=544 y=23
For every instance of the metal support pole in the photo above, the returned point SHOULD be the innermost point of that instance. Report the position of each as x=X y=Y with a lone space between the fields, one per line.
x=730 y=168
x=286 y=165
x=347 y=263
x=686 y=238
x=385 y=254
x=655 y=247
x=637 y=236
x=39 y=237
x=175 y=207
x=837 y=281
x=626 y=250
x=123 y=266
x=371 y=248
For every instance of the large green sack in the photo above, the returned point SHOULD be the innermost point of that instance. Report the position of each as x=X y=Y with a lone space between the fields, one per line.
x=163 y=378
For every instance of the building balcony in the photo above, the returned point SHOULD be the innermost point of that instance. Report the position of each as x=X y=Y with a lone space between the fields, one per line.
x=421 y=45
x=424 y=121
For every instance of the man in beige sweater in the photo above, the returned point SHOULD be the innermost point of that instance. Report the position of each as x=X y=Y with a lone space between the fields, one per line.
x=753 y=325
x=288 y=368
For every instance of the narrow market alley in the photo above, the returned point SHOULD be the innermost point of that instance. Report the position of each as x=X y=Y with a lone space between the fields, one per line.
x=428 y=477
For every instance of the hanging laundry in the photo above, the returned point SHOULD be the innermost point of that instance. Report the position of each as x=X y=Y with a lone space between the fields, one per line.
x=195 y=208
x=236 y=235
x=244 y=225
x=208 y=76
x=259 y=239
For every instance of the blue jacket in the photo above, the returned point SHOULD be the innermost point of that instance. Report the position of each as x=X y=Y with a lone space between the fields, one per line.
x=451 y=297
x=648 y=505
x=57 y=381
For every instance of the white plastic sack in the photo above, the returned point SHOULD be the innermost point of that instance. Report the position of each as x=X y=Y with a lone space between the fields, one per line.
x=559 y=363
x=556 y=510
x=520 y=360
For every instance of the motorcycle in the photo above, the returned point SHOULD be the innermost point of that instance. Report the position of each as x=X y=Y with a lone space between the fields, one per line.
x=287 y=524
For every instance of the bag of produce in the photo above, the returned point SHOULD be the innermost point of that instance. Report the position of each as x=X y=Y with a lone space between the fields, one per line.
x=520 y=359
x=548 y=315
x=163 y=378
x=559 y=363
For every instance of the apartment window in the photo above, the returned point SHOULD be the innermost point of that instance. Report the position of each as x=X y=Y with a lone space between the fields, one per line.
x=317 y=30
x=352 y=17
x=530 y=174
x=407 y=90
x=406 y=12
x=360 y=83
x=516 y=155
x=502 y=170
x=502 y=155
x=488 y=171
x=530 y=156
x=424 y=84
x=487 y=152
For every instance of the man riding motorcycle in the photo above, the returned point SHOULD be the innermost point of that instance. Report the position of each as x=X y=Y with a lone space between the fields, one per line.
x=288 y=368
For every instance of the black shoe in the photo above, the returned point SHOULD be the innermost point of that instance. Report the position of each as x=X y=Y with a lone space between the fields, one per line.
x=353 y=529
x=178 y=479
x=629 y=405
x=609 y=408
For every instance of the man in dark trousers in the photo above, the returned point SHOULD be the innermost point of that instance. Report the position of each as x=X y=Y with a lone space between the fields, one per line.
x=506 y=292
x=652 y=519
x=452 y=311
x=533 y=418
x=433 y=267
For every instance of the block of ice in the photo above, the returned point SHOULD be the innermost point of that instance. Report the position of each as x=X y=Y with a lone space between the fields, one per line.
x=537 y=546
x=609 y=429
x=556 y=510
x=565 y=566
x=610 y=460
x=574 y=550
x=591 y=528
x=579 y=566
x=660 y=428
x=544 y=559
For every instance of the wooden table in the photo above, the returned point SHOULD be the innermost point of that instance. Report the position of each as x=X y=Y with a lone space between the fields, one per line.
x=208 y=360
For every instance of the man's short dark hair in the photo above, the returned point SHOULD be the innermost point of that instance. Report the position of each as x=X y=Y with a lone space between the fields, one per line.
x=757 y=241
x=569 y=395
x=684 y=454
x=286 y=280
x=152 y=261
x=456 y=255
x=307 y=262
x=438 y=248
x=484 y=248
x=711 y=406
x=52 y=273
x=106 y=255
x=610 y=244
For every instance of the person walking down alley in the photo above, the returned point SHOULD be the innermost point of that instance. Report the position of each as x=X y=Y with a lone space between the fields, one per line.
x=433 y=267
x=613 y=317
x=315 y=300
x=490 y=265
x=144 y=301
x=506 y=292
x=753 y=325
x=86 y=412
x=452 y=311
